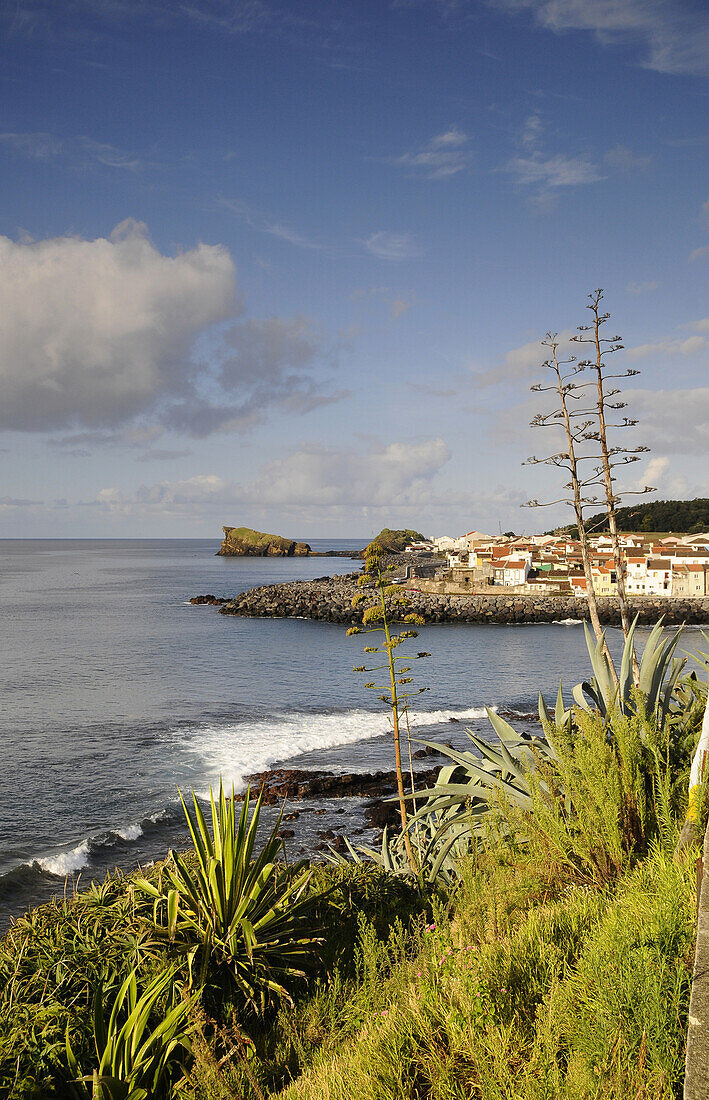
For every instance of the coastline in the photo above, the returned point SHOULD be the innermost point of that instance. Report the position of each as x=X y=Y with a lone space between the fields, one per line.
x=329 y=599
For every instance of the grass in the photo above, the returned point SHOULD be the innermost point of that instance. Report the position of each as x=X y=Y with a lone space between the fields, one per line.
x=526 y=990
x=559 y=968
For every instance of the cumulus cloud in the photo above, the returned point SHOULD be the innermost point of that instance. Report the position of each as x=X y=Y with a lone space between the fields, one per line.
x=674 y=421
x=313 y=477
x=95 y=332
x=392 y=246
x=689 y=346
x=100 y=333
x=524 y=362
x=672 y=34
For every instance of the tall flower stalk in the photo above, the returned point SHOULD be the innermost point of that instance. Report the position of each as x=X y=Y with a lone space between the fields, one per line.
x=384 y=600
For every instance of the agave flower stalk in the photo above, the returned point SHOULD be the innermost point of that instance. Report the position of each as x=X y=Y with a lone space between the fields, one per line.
x=396 y=695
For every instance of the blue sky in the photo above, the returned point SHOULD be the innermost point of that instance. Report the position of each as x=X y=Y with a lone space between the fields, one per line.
x=288 y=265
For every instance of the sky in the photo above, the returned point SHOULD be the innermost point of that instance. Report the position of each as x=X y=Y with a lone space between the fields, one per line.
x=288 y=265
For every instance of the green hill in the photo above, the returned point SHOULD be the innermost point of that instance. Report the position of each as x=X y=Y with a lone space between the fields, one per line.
x=679 y=516
x=244 y=541
x=395 y=542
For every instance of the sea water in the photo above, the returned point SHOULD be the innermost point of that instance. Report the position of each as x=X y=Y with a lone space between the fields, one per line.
x=116 y=692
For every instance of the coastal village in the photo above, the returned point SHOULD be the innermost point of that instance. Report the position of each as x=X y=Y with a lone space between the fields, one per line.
x=675 y=567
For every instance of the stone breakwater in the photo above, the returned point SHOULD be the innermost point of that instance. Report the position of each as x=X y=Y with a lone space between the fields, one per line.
x=329 y=599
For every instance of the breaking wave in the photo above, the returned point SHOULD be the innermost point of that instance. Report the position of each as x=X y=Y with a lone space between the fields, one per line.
x=233 y=751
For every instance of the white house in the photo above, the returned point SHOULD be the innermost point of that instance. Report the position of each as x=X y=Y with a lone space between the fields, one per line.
x=444 y=543
x=515 y=571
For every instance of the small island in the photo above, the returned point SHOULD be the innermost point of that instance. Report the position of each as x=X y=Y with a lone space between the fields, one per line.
x=245 y=542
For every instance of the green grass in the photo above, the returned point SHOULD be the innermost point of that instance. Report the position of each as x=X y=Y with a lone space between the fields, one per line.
x=558 y=969
x=525 y=991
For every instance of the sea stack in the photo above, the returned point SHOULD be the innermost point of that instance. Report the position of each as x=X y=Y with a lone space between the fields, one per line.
x=245 y=542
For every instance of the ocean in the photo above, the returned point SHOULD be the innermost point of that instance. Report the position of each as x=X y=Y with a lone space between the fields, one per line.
x=116 y=692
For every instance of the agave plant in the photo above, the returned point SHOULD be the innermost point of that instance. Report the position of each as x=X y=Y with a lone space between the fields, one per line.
x=464 y=791
x=436 y=850
x=134 y=1062
x=251 y=918
x=659 y=673
x=454 y=808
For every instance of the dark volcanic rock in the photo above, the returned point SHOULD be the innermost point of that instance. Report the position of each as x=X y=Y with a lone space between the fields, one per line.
x=297 y=783
x=330 y=600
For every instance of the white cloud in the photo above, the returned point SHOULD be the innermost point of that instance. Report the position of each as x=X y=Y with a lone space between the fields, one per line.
x=78 y=152
x=674 y=421
x=698 y=253
x=641 y=288
x=313 y=477
x=625 y=160
x=532 y=132
x=689 y=346
x=99 y=333
x=554 y=171
x=392 y=246
x=525 y=361
x=95 y=332
x=654 y=473
x=38 y=146
x=673 y=34
x=445 y=155
x=263 y=224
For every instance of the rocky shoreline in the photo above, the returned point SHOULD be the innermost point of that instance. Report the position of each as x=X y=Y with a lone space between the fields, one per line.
x=329 y=599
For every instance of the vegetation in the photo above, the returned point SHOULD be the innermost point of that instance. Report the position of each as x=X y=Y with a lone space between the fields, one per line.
x=539 y=947
x=656 y=516
x=385 y=601
x=245 y=541
x=251 y=921
x=393 y=542
x=586 y=455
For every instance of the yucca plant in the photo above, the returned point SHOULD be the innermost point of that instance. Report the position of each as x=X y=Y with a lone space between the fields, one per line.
x=135 y=1061
x=251 y=917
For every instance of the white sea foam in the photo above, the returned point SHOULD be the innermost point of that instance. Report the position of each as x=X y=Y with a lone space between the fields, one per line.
x=234 y=751
x=129 y=832
x=65 y=863
x=567 y=622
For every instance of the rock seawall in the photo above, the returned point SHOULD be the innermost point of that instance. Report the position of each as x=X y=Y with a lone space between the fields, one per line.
x=329 y=599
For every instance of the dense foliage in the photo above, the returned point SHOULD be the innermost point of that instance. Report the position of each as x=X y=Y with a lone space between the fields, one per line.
x=679 y=516
x=393 y=542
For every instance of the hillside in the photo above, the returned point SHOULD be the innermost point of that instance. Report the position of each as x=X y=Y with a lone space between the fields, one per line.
x=394 y=542
x=678 y=516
